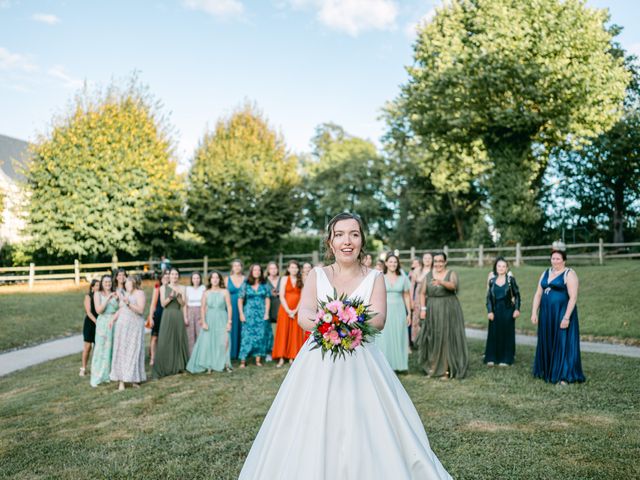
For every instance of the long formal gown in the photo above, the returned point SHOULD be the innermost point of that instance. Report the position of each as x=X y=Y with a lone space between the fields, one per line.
x=393 y=341
x=558 y=350
x=211 y=351
x=127 y=364
x=172 y=353
x=236 y=324
x=194 y=304
x=348 y=419
x=502 y=301
x=442 y=342
x=289 y=335
x=415 y=313
x=254 y=329
x=101 y=361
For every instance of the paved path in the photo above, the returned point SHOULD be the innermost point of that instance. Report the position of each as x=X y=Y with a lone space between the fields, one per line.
x=27 y=357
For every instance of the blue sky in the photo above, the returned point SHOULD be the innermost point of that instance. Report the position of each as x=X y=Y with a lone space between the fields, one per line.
x=303 y=62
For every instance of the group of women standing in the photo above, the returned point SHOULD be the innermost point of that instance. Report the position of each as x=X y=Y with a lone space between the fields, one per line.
x=423 y=311
x=115 y=327
x=197 y=328
x=200 y=328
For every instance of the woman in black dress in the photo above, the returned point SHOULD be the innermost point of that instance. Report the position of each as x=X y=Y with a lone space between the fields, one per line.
x=503 y=307
x=155 y=315
x=89 y=327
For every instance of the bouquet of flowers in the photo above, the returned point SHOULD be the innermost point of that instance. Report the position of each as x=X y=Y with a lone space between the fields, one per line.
x=341 y=326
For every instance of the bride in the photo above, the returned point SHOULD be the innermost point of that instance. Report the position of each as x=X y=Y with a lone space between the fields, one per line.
x=350 y=418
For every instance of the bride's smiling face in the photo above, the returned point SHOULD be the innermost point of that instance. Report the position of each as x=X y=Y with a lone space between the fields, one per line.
x=346 y=240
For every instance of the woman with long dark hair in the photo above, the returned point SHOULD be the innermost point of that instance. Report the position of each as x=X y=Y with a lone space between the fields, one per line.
x=394 y=339
x=211 y=351
x=193 y=307
x=155 y=314
x=89 y=326
x=106 y=303
x=289 y=335
x=254 y=302
x=234 y=282
x=503 y=307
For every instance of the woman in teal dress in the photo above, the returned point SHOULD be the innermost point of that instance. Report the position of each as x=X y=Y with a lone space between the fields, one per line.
x=254 y=303
x=172 y=353
x=235 y=281
x=211 y=351
x=394 y=339
x=106 y=303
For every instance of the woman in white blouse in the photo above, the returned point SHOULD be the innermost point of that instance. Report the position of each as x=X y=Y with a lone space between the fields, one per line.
x=192 y=308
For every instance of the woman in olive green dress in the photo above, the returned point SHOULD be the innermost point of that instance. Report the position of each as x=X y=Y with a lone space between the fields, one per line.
x=172 y=353
x=442 y=342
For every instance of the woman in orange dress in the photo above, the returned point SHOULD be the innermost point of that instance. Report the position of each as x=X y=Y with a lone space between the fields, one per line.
x=289 y=336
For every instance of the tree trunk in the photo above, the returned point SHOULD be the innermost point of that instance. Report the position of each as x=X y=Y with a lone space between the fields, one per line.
x=456 y=218
x=618 y=211
x=512 y=193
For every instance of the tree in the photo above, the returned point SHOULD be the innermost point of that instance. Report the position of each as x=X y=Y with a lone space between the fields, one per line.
x=103 y=180
x=346 y=173
x=435 y=184
x=521 y=77
x=243 y=185
x=603 y=178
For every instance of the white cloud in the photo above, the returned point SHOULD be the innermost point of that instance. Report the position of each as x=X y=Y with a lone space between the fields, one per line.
x=15 y=61
x=217 y=8
x=410 y=29
x=48 y=18
x=353 y=16
x=58 y=72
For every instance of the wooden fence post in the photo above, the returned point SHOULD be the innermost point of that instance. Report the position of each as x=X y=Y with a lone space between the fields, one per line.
x=445 y=249
x=315 y=257
x=518 y=255
x=413 y=253
x=205 y=267
x=32 y=274
x=114 y=262
x=601 y=251
x=76 y=271
x=480 y=255
x=280 y=262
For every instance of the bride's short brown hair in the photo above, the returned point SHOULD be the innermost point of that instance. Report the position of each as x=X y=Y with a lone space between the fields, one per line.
x=329 y=234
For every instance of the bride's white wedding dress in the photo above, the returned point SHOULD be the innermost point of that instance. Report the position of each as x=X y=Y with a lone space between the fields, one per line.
x=344 y=420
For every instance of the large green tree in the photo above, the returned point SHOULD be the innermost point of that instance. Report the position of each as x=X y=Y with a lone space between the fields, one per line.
x=103 y=180
x=243 y=188
x=346 y=173
x=602 y=179
x=520 y=77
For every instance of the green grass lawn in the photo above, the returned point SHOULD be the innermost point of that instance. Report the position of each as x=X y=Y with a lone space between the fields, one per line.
x=497 y=423
x=608 y=305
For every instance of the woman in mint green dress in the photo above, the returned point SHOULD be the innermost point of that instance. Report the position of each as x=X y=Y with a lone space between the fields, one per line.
x=394 y=339
x=211 y=351
x=106 y=303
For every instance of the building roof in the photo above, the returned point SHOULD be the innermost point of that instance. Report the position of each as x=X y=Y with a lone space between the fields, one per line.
x=13 y=152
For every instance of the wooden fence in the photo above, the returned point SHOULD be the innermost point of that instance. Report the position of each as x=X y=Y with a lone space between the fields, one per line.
x=477 y=256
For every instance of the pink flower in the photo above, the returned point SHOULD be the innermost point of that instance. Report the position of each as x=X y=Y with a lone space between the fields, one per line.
x=334 y=307
x=319 y=316
x=349 y=315
x=356 y=335
x=334 y=337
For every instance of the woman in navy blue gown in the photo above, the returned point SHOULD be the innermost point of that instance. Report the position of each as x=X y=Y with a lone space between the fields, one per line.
x=558 y=350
